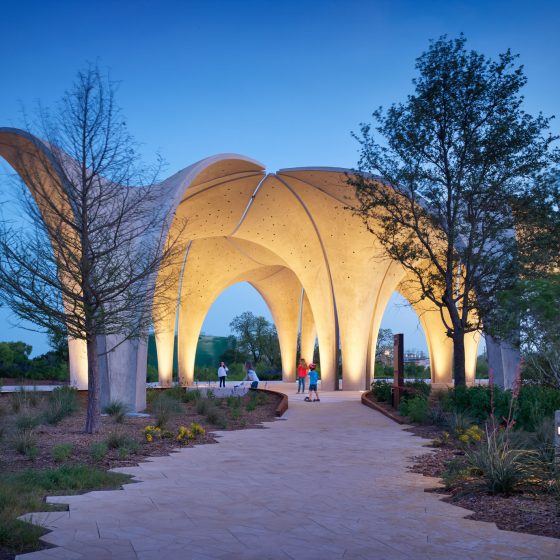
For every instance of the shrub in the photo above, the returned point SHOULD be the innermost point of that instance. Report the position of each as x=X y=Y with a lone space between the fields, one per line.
x=536 y=403
x=152 y=432
x=262 y=398
x=151 y=394
x=252 y=404
x=501 y=466
x=217 y=417
x=210 y=394
x=197 y=429
x=24 y=441
x=458 y=422
x=18 y=400
x=117 y=440
x=381 y=391
x=98 y=451
x=436 y=415
x=419 y=387
x=26 y=422
x=473 y=434
x=457 y=470
x=191 y=395
x=541 y=441
x=416 y=409
x=117 y=410
x=61 y=402
x=184 y=434
x=202 y=406
x=178 y=393
x=163 y=407
x=233 y=402
x=61 y=452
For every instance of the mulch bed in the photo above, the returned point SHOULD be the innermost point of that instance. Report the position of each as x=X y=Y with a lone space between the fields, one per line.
x=527 y=511
x=524 y=512
x=71 y=430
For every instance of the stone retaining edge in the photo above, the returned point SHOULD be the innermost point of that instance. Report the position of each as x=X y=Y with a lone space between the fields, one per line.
x=368 y=401
x=282 y=405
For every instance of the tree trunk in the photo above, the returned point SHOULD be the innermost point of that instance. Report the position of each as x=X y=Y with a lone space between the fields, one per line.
x=459 y=357
x=94 y=405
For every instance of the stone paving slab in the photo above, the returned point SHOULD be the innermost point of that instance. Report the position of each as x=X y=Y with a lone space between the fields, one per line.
x=328 y=481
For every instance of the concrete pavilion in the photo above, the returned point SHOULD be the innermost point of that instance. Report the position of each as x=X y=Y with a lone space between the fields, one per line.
x=291 y=235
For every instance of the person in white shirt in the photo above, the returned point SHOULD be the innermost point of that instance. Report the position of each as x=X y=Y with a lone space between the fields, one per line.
x=251 y=375
x=222 y=374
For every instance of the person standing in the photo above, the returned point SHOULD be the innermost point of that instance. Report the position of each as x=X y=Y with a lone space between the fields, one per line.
x=301 y=375
x=251 y=375
x=222 y=374
x=313 y=379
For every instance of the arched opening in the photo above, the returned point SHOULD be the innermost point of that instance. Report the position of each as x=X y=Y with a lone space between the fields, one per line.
x=258 y=343
x=216 y=340
x=400 y=317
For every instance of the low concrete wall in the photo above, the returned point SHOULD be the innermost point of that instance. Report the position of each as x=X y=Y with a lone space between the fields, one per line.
x=368 y=400
x=282 y=405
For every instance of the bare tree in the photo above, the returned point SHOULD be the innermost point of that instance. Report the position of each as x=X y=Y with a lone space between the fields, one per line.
x=452 y=158
x=85 y=264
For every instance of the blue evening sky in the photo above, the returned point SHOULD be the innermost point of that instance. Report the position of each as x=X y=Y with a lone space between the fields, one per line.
x=283 y=82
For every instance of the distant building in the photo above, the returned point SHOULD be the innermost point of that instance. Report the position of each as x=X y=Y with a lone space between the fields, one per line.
x=417 y=357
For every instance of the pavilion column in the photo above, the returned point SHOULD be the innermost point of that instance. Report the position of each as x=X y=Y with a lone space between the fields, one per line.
x=308 y=331
x=472 y=341
x=78 y=364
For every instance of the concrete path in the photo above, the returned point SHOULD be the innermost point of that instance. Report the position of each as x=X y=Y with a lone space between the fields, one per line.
x=327 y=482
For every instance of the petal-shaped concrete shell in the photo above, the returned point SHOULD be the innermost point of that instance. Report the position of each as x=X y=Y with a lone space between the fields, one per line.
x=291 y=231
x=292 y=236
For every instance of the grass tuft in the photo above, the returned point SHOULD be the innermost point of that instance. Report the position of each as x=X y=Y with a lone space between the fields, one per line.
x=62 y=452
x=61 y=402
x=117 y=410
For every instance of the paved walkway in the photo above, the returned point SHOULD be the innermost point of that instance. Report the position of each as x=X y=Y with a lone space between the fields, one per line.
x=327 y=482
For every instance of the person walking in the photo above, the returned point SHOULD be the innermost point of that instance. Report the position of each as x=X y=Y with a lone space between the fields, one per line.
x=251 y=376
x=222 y=374
x=313 y=379
x=301 y=375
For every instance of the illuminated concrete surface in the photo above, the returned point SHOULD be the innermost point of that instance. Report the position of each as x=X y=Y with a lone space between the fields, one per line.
x=242 y=222
x=306 y=488
x=292 y=236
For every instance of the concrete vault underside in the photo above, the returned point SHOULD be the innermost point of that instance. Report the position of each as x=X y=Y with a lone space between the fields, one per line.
x=293 y=237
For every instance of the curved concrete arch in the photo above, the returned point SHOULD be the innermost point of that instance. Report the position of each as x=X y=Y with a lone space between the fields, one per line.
x=356 y=264
x=212 y=265
x=35 y=163
x=283 y=233
x=291 y=234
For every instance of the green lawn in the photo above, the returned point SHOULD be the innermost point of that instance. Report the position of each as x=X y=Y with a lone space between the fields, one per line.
x=24 y=492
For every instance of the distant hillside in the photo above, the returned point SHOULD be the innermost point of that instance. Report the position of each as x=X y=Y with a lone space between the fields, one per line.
x=208 y=351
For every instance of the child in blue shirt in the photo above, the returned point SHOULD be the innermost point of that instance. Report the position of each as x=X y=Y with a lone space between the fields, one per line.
x=313 y=377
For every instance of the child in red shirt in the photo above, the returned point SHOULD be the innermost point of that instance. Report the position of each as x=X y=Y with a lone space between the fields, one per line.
x=301 y=375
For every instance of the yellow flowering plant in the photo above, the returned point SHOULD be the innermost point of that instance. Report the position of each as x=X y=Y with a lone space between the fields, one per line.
x=151 y=432
x=192 y=432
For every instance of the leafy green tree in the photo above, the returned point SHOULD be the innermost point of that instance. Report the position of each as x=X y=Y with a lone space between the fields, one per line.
x=14 y=358
x=256 y=338
x=437 y=175
x=384 y=346
x=532 y=308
